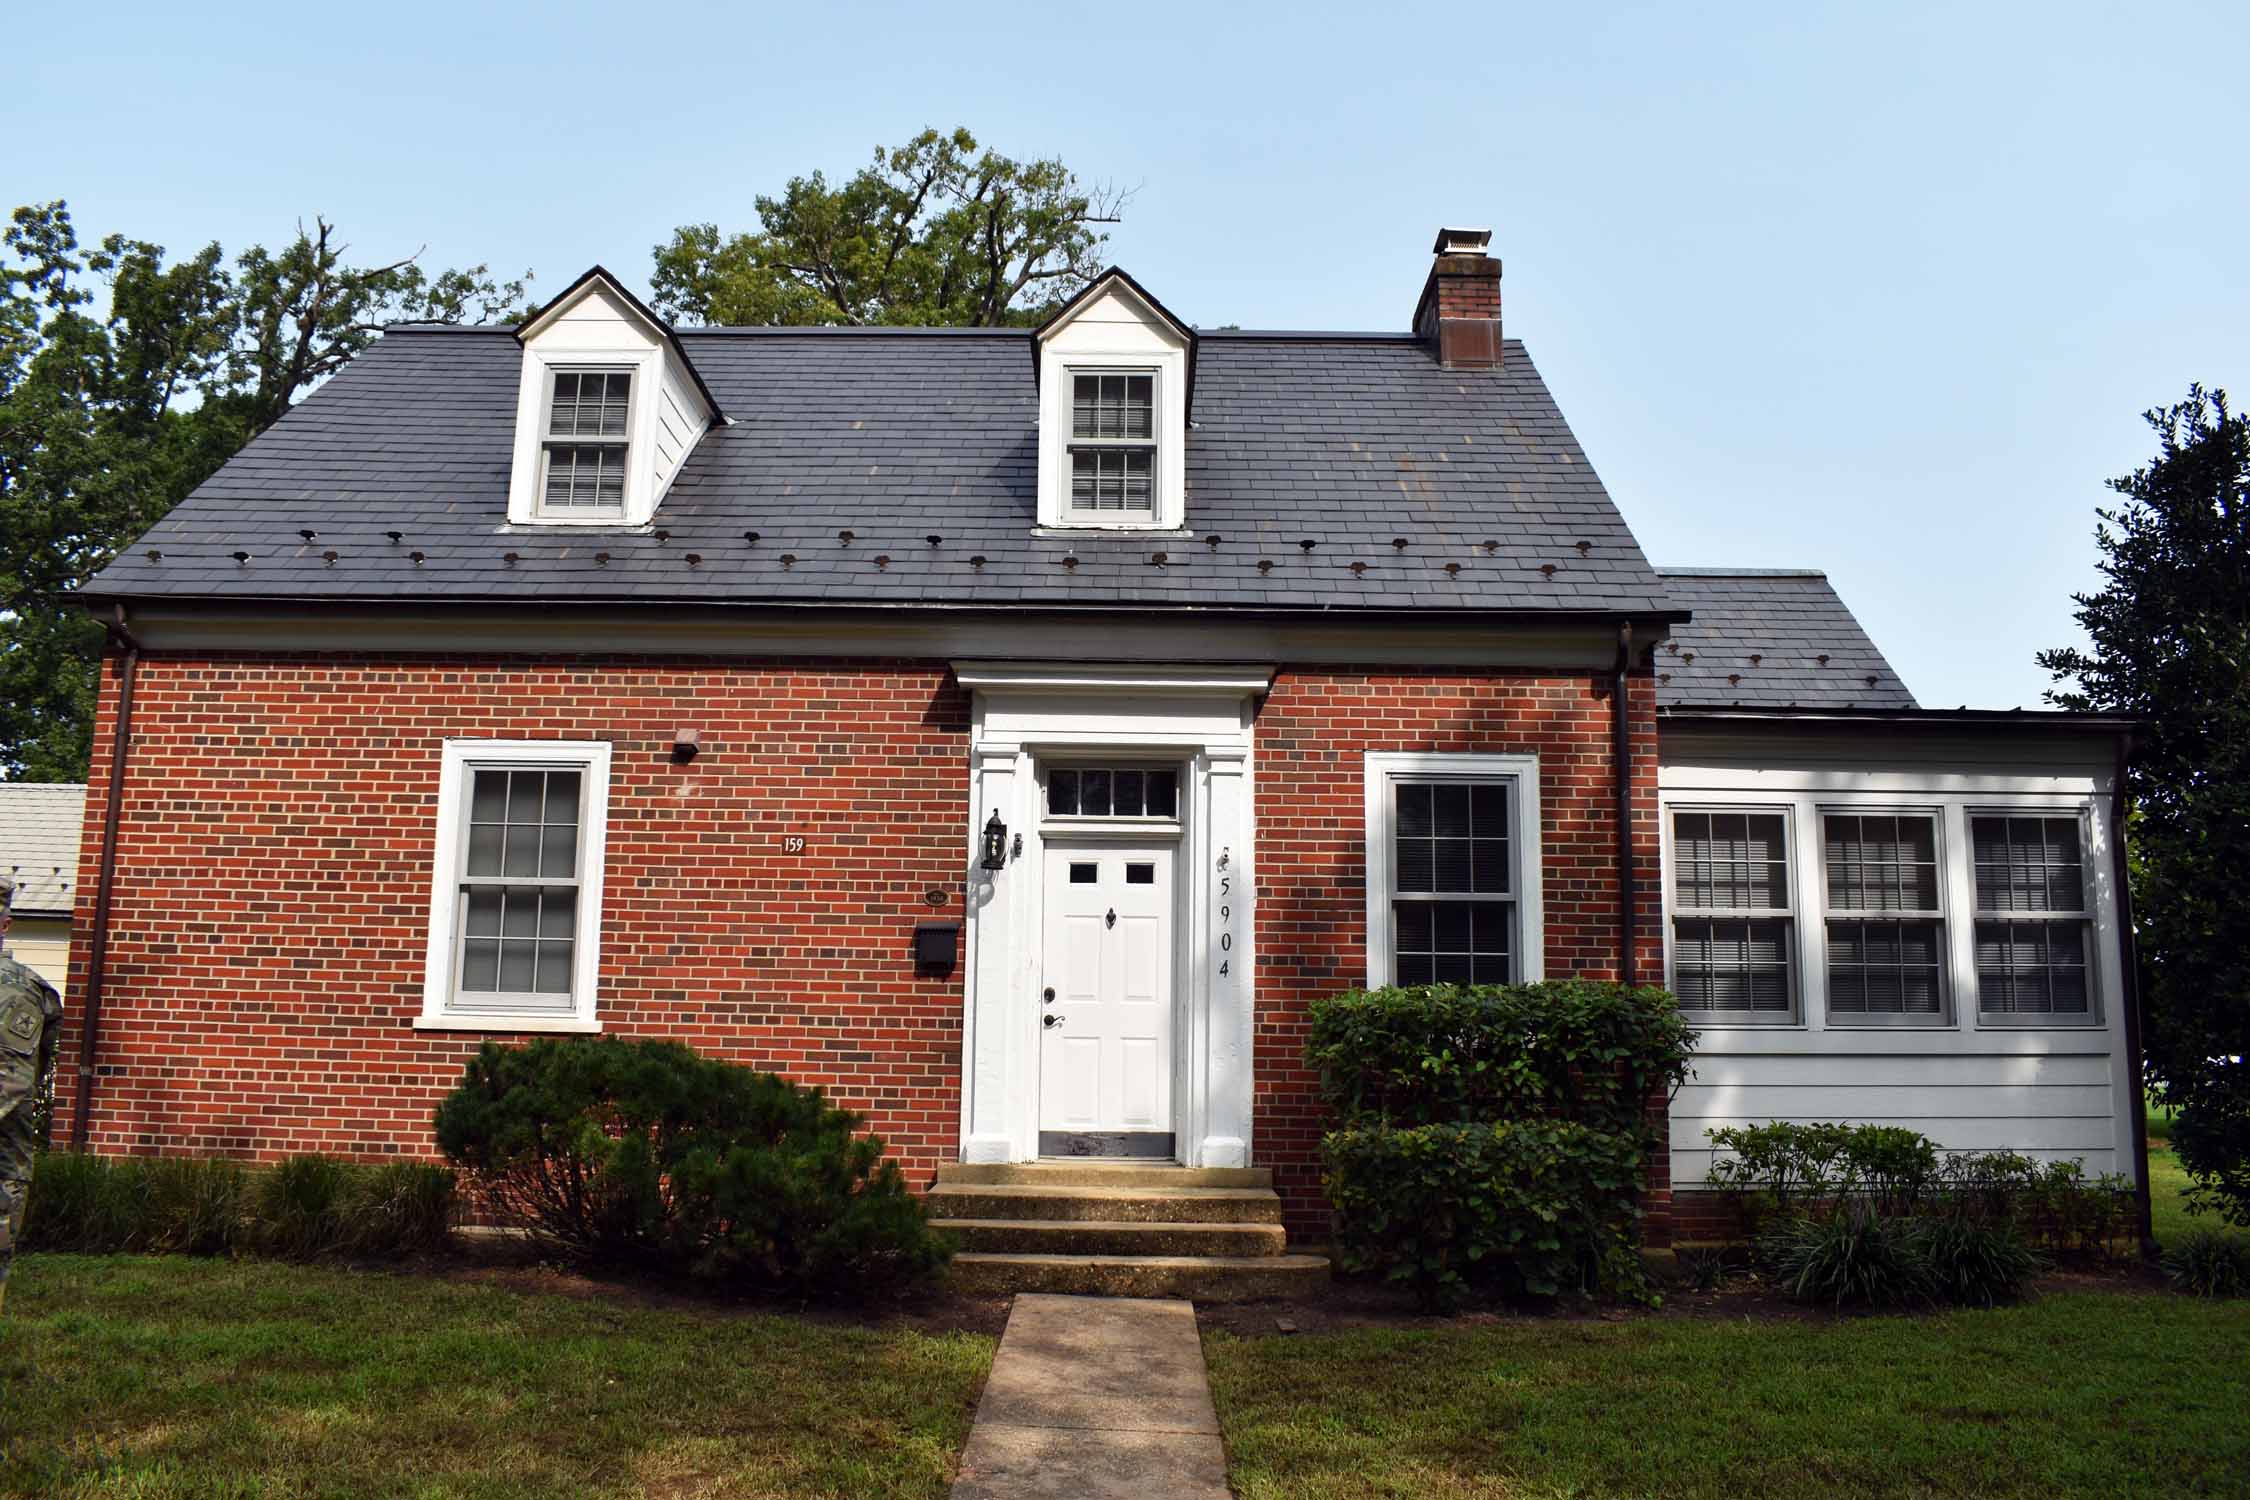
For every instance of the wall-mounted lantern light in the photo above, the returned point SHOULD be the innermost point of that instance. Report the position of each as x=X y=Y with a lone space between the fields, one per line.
x=995 y=842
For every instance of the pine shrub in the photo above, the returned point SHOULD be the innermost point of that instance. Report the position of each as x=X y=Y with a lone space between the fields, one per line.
x=645 y=1153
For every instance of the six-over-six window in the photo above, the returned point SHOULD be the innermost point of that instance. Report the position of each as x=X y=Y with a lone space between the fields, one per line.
x=1113 y=444
x=1885 y=946
x=587 y=442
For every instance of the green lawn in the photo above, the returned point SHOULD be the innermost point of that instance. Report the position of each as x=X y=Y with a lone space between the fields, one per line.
x=2082 y=1393
x=148 y=1379
x=2102 y=1392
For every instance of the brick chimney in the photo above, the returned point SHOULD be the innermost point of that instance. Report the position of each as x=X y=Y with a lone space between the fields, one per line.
x=1459 y=314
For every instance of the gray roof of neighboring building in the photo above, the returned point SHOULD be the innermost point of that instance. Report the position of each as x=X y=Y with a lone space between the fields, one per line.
x=1769 y=638
x=39 y=824
x=1348 y=442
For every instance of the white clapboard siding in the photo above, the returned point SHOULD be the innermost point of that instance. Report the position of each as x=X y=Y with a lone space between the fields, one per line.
x=2058 y=1093
x=1111 y=329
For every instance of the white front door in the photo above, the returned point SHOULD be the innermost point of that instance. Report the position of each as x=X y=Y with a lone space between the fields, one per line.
x=1105 y=1076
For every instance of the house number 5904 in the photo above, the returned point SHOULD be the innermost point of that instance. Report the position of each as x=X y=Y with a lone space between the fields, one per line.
x=1226 y=916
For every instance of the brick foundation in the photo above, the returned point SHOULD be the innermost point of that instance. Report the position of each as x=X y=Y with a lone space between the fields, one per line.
x=273 y=887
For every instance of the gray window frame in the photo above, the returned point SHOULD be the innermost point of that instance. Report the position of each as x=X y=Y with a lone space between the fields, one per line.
x=1786 y=915
x=1944 y=1017
x=514 y=1002
x=550 y=441
x=2093 y=1018
x=1153 y=445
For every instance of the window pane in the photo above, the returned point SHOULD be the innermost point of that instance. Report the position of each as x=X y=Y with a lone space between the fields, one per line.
x=1731 y=861
x=590 y=403
x=558 y=914
x=1140 y=874
x=2032 y=968
x=1163 y=794
x=552 y=974
x=1093 y=794
x=484 y=848
x=1113 y=406
x=516 y=968
x=1885 y=968
x=1452 y=838
x=1113 y=479
x=488 y=798
x=519 y=914
x=1083 y=874
x=1125 y=794
x=1881 y=862
x=1452 y=942
x=480 y=965
x=1062 y=793
x=558 y=852
x=483 y=918
x=2029 y=864
x=1732 y=965
x=585 y=477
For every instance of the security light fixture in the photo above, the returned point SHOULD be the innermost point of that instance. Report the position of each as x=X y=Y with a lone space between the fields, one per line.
x=995 y=842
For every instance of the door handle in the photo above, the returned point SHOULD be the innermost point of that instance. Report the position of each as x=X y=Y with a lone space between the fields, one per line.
x=1112 y=919
x=1050 y=1020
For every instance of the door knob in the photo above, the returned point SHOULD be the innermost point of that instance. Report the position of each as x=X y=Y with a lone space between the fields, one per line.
x=1112 y=920
x=1050 y=994
x=1050 y=1020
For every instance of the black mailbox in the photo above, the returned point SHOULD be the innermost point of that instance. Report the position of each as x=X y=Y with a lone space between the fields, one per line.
x=936 y=945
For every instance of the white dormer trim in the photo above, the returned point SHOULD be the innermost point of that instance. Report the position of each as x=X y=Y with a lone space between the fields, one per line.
x=1114 y=327
x=597 y=325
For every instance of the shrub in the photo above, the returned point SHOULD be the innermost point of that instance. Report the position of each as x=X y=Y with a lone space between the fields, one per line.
x=643 y=1152
x=1789 y=1165
x=1578 y=1050
x=305 y=1207
x=1856 y=1258
x=2210 y=1263
x=1974 y=1263
x=1534 y=1207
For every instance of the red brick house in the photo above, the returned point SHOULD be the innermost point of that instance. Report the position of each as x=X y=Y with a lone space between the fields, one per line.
x=1013 y=731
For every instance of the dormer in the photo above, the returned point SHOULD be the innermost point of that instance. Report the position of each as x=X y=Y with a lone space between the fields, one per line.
x=1116 y=374
x=609 y=410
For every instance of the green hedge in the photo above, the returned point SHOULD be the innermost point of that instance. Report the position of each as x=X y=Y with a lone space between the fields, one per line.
x=302 y=1208
x=1523 y=1207
x=1494 y=1138
x=645 y=1153
x=1561 y=1049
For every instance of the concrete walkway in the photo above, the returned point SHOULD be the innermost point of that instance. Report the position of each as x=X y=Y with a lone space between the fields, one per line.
x=1092 y=1397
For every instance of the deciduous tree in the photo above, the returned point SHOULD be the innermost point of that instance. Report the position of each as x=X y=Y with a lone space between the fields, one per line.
x=938 y=231
x=127 y=380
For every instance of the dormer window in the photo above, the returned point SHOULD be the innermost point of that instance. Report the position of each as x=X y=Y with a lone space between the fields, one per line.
x=608 y=413
x=1116 y=385
x=588 y=443
x=1113 y=443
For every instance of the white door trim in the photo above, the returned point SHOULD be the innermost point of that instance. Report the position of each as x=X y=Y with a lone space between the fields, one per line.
x=1199 y=716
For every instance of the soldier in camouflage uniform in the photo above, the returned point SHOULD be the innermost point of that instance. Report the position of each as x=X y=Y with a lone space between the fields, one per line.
x=30 y=1020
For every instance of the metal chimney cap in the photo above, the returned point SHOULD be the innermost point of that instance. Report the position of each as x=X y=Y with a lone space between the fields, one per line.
x=1461 y=242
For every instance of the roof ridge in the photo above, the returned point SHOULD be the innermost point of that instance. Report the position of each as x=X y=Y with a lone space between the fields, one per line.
x=1664 y=572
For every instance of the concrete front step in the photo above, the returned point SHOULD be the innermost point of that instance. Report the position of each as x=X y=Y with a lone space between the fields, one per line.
x=1205 y=1278
x=1113 y=1237
x=1131 y=1205
x=1096 y=1172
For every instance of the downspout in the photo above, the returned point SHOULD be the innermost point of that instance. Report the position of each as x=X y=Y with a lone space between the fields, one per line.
x=1622 y=755
x=2131 y=995
x=97 y=957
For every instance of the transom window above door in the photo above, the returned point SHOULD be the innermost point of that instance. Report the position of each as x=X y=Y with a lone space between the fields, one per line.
x=1113 y=792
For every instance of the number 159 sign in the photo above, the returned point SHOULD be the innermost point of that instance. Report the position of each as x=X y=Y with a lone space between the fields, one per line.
x=792 y=843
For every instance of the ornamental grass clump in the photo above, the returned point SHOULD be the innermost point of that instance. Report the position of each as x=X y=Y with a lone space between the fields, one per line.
x=645 y=1153
x=1494 y=1138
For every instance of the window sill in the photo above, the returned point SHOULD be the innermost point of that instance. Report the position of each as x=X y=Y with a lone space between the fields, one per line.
x=503 y=1025
x=2041 y=1023
x=1067 y=529
x=1835 y=1025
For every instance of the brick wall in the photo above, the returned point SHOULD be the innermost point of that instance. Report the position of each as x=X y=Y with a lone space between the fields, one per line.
x=273 y=896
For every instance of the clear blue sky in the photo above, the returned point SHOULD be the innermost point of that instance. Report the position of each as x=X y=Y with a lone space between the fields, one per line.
x=1878 y=289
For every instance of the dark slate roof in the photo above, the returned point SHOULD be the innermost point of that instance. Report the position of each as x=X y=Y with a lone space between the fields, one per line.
x=896 y=435
x=1769 y=639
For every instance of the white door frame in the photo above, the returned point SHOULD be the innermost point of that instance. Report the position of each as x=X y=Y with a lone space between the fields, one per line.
x=1200 y=716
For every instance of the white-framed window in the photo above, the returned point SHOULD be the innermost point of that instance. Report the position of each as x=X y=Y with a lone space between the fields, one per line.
x=1113 y=444
x=1883 y=874
x=1453 y=869
x=1733 y=915
x=586 y=441
x=2034 y=925
x=1112 y=791
x=516 y=890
